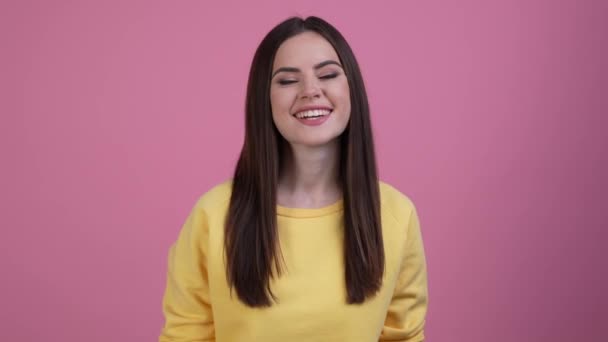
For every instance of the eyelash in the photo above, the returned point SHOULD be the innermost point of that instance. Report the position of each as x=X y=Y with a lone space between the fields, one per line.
x=326 y=77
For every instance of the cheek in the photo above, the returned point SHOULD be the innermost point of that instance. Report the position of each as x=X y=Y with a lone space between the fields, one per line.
x=341 y=89
x=280 y=100
x=342 y=96
x=273 y=100
x=280 y=107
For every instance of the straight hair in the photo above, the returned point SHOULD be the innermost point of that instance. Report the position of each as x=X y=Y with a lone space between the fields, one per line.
x=252 y=250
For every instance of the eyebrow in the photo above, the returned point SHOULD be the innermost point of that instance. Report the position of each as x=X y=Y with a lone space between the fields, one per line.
x=292 y=69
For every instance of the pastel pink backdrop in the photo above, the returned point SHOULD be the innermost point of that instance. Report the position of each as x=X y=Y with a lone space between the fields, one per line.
x=491 y=116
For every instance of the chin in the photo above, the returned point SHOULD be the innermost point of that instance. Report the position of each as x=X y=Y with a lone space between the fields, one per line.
x=317 y=142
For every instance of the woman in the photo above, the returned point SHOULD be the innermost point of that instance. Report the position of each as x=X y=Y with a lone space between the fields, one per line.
x=304 y=243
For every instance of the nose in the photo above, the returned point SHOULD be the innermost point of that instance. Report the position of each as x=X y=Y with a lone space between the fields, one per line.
x=310 y=88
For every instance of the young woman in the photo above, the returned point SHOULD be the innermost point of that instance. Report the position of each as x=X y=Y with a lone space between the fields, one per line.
x=304 y=243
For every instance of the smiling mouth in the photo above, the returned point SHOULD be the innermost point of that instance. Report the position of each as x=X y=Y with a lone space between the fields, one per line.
x=313 y=114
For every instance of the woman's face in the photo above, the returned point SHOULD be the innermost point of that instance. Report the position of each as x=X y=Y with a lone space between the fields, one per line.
x=308 y=81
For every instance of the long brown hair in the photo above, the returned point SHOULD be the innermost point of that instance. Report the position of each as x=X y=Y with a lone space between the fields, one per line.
x=251 y=244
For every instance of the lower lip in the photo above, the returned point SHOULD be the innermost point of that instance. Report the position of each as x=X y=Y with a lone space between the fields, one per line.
x=314 y=122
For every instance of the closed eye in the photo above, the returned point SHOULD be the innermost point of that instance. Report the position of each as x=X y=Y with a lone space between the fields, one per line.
x=326 y=77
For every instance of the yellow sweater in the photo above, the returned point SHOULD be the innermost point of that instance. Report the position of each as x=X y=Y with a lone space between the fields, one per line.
x=198 y=306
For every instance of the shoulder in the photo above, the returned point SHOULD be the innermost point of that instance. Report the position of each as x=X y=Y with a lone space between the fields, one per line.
x=215 y=197
x=395 y=202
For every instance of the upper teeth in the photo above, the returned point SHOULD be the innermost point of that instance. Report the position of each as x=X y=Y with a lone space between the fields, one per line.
x=314 y=112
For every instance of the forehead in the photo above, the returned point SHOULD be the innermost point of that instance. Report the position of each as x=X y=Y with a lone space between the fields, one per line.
x=304 y=50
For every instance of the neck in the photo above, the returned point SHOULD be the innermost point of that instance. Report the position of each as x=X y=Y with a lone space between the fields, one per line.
x=309 y=176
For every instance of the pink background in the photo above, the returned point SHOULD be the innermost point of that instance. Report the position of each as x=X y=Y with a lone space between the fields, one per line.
x=116 y=116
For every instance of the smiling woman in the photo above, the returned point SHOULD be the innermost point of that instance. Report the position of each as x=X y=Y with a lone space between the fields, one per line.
x=304 y=243
x=313 y=92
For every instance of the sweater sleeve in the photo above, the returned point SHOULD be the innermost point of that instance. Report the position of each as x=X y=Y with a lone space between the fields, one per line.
x=407 y=311
x=186 y=305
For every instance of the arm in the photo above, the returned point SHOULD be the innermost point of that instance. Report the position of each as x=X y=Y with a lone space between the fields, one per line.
x=186 y=305
x=405 y=318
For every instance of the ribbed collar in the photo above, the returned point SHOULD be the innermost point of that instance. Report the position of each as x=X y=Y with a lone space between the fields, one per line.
x=310 y=212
